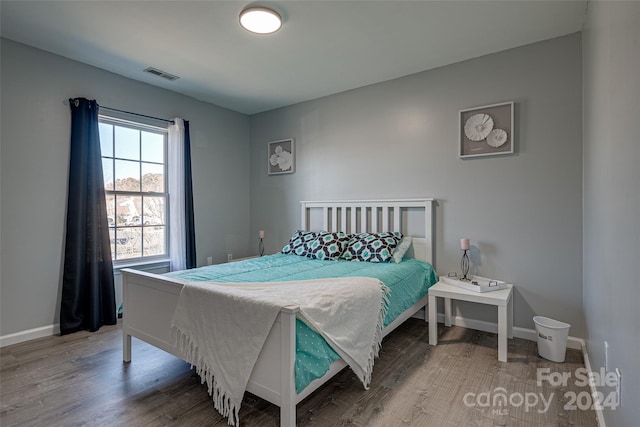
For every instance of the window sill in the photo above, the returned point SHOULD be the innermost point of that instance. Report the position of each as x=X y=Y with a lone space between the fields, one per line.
x=143 y=264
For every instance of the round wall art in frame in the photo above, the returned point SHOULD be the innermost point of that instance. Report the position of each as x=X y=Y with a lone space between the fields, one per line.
x=487 y=130
x=496 y=138
x=478 y=126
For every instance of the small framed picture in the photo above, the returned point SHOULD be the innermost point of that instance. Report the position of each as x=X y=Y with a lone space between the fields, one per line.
x=281 y=157
x=486 y=131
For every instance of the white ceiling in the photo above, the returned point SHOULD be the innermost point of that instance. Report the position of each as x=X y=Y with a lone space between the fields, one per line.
x=324 y=47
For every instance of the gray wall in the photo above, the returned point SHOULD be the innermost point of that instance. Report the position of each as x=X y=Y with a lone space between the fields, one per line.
x=612 y=196
x=395 y=139
x=523 y=212
x=34 y=166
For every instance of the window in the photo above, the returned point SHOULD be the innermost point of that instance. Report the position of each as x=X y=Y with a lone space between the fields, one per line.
x=134 y=164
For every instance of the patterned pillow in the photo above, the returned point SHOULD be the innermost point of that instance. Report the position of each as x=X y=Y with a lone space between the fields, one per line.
x=372 y=247
x=328 y=246
x=299 y=243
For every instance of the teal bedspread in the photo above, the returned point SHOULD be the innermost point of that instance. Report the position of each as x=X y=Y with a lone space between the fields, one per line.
x=408 y=281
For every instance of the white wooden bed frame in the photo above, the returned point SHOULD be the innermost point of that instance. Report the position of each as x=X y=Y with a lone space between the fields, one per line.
x=150 y=299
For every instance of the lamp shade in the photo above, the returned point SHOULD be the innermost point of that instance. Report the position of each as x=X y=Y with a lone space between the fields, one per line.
x=260 y=20
x=464 y=244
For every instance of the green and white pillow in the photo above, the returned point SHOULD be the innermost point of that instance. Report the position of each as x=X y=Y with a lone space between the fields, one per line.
x=299 y=243
x=328 y=246
x=372 y=247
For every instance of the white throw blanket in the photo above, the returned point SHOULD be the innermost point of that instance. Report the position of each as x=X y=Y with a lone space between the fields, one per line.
x=221 y=327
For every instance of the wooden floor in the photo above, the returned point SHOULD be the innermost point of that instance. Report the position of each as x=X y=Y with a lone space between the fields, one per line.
x=80 y=380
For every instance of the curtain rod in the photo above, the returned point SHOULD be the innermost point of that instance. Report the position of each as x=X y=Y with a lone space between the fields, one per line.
x=66 y=102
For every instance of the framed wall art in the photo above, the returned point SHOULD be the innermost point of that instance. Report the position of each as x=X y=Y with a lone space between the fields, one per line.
x=486 y=131
x=281 y=157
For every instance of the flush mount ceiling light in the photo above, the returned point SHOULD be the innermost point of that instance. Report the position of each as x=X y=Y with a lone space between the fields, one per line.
x=260 y=20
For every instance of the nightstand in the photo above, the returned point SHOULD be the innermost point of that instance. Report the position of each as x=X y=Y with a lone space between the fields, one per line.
x=501 y=299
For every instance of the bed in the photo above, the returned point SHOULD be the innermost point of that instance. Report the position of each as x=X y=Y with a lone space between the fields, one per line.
x=150 y=299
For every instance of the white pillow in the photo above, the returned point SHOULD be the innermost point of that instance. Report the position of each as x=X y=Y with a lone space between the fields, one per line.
x=401 y=249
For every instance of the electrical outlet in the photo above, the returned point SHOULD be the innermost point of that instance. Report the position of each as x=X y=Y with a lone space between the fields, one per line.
x=229 y=257
x=606 y=356
x=209 y=260
x=619 y=386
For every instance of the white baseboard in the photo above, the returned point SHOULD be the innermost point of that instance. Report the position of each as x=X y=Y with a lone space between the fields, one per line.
x=575 y=343
x=524 y=333
x=518 y=332
x=587 y=364
x=158 y=267
x=31 y=334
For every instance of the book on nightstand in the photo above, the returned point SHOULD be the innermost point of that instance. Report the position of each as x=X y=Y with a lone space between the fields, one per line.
x=476 y=283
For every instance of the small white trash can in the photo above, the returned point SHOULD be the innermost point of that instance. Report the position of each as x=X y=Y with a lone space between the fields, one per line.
x=552 y=338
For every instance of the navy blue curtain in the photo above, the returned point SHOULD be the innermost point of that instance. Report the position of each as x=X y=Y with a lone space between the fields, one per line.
x=88 y=294
x=188 y=202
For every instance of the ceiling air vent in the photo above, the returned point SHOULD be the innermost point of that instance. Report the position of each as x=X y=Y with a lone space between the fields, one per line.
x=161 y=73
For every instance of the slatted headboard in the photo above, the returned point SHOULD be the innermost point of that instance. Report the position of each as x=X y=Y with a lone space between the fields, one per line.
x=412 y=217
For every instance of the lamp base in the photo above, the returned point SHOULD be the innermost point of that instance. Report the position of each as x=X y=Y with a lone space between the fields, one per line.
x=464 y=265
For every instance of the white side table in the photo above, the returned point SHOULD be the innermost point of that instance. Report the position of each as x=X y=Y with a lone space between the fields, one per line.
x=502 y=299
